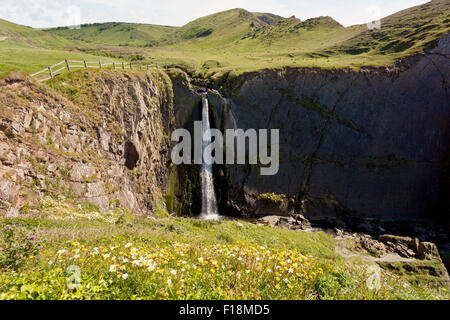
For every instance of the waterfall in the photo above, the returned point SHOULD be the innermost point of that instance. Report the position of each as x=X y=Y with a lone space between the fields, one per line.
x=209 y=202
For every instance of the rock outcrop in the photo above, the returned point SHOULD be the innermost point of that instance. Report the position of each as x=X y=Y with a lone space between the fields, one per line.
x=104 y=140
x=368 y=143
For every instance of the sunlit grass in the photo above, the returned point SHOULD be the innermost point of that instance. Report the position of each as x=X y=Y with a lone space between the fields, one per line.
x=31 y=60
x=176 y=258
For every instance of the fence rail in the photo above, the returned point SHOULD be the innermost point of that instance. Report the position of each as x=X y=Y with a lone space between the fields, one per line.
x=50 y=72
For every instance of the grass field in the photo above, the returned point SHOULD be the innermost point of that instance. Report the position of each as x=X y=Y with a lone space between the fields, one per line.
x=232 y=40
x=120 y=256
x=244 y=41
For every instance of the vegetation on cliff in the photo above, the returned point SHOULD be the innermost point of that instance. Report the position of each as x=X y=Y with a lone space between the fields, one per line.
x=88 y=130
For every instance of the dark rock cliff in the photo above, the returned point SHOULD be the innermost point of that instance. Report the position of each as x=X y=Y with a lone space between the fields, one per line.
x=369 y=143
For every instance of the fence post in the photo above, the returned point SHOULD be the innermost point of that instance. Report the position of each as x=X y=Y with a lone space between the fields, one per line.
x=50 y=71
x=67 y=65
x=100 y=63
x=131 y=68
x=123 y=66
x=85 y=64
x=114 y=65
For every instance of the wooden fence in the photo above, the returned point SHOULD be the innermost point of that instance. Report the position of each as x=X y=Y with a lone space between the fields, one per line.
x=68 y=65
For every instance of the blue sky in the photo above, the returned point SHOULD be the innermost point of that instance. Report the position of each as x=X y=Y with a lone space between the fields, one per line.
x=52 y=13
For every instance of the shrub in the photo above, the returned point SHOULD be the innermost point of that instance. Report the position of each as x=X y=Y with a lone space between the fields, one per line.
x=272 y=198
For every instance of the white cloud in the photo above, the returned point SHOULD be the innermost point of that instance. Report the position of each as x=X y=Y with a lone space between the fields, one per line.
x=51 y=13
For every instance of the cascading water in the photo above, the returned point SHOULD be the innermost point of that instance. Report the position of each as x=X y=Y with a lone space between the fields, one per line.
x=209 y=202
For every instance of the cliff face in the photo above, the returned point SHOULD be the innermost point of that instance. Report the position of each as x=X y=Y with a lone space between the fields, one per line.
x=104 y=140
x=370 y=143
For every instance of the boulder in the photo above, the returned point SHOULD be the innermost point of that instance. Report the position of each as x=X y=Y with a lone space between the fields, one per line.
x=414 y=245
x=404 y=246
x=385 y=238
x=428 y=251
x=282 y=222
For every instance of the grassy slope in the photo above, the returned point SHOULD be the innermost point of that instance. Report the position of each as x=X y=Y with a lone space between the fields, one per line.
x=404 y=33
x=31 y=50
x=213 y=30
x=237 y=39
x=31 y=59
x=240 y=40
x=221 y=29
x=27 y=36
x=202 y=260
x=116 y=34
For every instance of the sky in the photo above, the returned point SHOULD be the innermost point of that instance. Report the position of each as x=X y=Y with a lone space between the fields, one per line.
x=54 y=13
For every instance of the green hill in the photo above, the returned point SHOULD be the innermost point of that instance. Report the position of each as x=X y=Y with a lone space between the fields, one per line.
x=223 y=28
x=404 y=33
x=215 y=29
x=244 y=41
x=293 y=27
x=241 y=40
x=30 y=50
x=115 y=34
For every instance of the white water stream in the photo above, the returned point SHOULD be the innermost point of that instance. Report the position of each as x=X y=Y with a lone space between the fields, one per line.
x=209 y=202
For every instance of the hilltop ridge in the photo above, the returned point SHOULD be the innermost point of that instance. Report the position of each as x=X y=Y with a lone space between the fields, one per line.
x=242 y=41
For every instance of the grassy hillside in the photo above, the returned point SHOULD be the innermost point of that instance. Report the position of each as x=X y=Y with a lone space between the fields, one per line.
x=222 y=29
x=238 y=40
x=322 y=42
x=405 y=33
x=32 y=59
x=18 y=35
x=30 y=50
x=216 y=29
